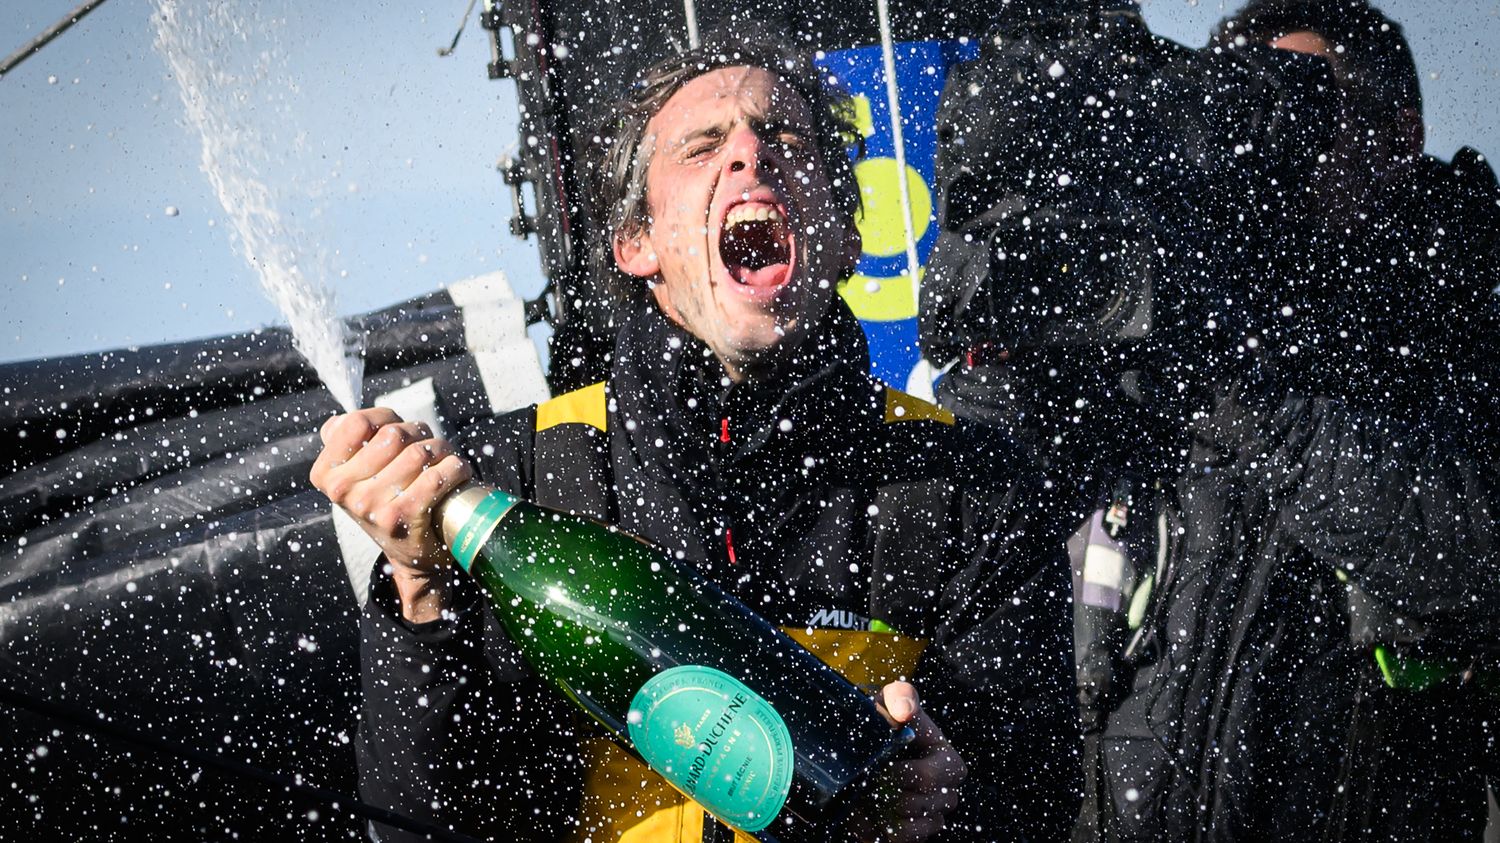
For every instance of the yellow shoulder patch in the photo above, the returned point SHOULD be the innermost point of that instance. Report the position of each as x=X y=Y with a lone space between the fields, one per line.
x=866 y=659
x=581 y=406
x=901 y=407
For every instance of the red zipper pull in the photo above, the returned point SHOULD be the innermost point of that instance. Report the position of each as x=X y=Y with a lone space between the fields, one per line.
x=729 y=543
x=724 y=430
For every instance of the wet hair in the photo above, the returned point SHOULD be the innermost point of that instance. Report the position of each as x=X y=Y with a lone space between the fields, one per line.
x=620 y=190
x=1376 y=69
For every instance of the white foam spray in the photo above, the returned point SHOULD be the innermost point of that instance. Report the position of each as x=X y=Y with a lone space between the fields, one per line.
x=224 y=59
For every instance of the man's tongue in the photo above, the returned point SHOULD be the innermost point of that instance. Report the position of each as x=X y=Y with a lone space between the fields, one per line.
x=768 y=276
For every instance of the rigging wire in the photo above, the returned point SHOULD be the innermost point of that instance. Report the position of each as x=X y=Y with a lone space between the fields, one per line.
x=888 y=56
x=690 y=11
x=463 y=22
x=51 y=32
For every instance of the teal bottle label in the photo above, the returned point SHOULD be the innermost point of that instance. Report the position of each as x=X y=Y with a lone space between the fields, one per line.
x=716 y=741
x=470 y=539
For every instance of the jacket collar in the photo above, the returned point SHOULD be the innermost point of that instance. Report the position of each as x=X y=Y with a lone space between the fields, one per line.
x=673 y=397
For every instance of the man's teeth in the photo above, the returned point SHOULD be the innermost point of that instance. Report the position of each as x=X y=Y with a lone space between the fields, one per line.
x=745 y=213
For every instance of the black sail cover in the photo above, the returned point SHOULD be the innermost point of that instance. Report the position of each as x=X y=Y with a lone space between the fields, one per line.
x=168 y=570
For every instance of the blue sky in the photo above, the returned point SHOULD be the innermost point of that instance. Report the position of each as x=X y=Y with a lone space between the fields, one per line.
x=395 y=173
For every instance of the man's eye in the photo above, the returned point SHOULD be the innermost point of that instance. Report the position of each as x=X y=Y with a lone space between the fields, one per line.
x=791 y=142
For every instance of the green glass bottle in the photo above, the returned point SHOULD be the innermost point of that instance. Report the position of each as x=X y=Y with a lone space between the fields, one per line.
x=726 y=708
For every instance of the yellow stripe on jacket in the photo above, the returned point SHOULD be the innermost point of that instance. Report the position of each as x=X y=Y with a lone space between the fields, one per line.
x=581 y=406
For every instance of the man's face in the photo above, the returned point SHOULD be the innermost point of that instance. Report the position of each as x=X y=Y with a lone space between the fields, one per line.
x=1366 y=152
x=744 y=244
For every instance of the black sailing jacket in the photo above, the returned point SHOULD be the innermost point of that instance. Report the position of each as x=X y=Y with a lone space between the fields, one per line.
x=1250 y=706
x=819 y=499
x=1257 y=711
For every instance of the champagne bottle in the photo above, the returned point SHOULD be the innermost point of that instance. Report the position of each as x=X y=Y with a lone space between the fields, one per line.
x=725 y=707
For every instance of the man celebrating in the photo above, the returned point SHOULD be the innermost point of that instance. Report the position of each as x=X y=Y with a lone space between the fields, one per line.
x=1281 y=595
x=740 y=431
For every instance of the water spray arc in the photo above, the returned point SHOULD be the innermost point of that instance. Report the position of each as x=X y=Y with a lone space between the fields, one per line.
x=290 y=266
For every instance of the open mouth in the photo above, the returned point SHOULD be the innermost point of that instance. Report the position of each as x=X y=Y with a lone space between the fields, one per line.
x=755 y=244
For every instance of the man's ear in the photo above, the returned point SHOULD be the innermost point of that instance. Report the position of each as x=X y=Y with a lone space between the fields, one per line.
x=635 y=255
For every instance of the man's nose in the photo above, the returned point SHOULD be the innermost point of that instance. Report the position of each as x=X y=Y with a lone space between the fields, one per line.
x=747 y=151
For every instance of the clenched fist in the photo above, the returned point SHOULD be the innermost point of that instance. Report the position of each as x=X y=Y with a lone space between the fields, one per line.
x=388 y=474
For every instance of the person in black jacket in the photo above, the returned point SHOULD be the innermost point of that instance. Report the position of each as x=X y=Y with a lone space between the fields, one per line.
x=1283 y=593
x=740 y=430
x=1393 y=274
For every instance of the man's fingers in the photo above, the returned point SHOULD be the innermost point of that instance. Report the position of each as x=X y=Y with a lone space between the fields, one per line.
x=409 y=514
x=383 y=446
x=901 y=707
x=937 y=804
x=325 y=430
x=343 y=436
x=924 y=786
x=927 y=736
x=939 y=769
x=394 y=479
x=898 y=702
x=389 y=473
x=438 y=480
x=412 y=509
x=358 y=425
x=408 y=465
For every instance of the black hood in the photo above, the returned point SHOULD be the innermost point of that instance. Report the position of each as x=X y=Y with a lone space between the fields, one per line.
x=668 y=384
x=683 y=429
